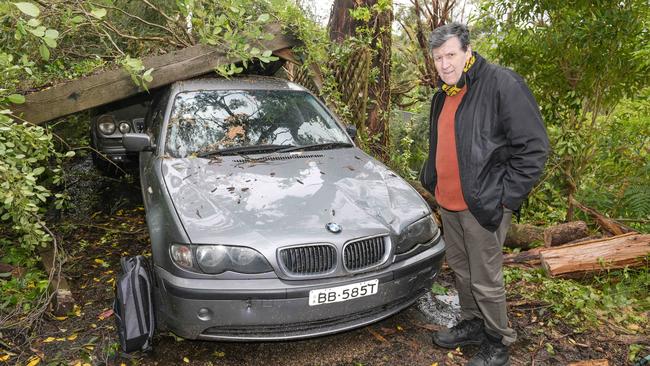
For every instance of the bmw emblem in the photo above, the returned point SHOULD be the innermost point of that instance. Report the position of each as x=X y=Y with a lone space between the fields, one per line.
x=333 y=227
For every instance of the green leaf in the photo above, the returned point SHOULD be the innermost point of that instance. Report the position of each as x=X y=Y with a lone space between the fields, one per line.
x=34 y=22
x=52 y=33
x=267 y=53
x=70 y=154
x=146 y=76
x=38 y=31
x=44 y=51
x=263 y=18
x=28 y=8
x=77 y=19
x=16 y=98
x=49 y=42
x=98 y=13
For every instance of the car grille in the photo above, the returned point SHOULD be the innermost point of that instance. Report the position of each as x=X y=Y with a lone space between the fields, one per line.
x=308 y=260
x=364 y=253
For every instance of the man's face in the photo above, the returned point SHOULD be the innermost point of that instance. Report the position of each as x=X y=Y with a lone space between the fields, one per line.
x=450 y=60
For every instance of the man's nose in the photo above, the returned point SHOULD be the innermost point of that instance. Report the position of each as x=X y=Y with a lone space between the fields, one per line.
x=444 y=63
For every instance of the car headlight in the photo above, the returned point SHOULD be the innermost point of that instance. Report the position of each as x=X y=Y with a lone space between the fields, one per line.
x=215 y=259
x=419 y=232
x=106 y=124
x=124 y=127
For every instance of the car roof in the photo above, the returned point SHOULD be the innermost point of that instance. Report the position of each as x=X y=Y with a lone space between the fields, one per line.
x=245 y=82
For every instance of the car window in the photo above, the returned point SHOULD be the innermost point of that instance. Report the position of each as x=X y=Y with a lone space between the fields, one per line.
x=209 y=120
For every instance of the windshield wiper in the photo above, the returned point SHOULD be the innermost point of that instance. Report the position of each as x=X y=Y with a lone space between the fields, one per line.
x=323 y=146
x=238 y=150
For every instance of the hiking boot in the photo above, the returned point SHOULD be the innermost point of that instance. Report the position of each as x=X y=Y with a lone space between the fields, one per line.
x=464 y=333
x=491 y=353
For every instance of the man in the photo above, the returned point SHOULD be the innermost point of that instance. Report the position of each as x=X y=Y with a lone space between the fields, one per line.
x=488 y=146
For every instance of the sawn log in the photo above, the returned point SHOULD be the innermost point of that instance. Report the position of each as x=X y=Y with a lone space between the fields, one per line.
x=602 y=254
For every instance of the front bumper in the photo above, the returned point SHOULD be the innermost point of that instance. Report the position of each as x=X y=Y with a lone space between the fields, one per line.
x=273 y=309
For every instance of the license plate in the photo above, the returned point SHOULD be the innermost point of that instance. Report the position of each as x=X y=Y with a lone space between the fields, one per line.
x=343 y=293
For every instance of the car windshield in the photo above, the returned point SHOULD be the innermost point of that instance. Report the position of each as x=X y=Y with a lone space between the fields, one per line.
x=209 y=121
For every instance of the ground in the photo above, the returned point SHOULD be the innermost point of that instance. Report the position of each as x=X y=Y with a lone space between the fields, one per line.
x=107 y=222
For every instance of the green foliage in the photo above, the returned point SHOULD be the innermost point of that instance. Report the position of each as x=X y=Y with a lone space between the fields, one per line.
x=409 y=141
x=19 y=292
x=619 y=296
x=136 y=69
x=579 y=68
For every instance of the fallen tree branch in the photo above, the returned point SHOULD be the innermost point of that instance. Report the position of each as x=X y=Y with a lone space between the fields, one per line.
x=610 y=225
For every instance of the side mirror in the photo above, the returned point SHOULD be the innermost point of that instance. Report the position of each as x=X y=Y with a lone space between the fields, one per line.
x=351 y=130
x=136 y=142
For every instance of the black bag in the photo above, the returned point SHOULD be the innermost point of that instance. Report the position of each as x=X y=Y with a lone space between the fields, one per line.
x=133 y=306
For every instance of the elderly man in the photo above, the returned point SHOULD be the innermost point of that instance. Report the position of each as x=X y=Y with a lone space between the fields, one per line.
x=488 y=146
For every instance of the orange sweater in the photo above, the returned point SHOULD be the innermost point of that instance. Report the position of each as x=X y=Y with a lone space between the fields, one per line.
x=448 y=191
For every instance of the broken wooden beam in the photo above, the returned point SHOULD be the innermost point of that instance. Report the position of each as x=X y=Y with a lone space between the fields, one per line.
x=564 y=233
x=109 y=86
x=596 y=255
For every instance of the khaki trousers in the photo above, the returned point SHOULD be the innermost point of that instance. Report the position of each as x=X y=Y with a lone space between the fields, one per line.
x=475 y=255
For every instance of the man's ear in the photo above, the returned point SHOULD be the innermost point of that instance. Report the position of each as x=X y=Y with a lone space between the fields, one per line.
x=468 y=53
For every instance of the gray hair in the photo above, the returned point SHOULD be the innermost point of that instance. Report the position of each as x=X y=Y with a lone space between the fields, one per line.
x=442 y=34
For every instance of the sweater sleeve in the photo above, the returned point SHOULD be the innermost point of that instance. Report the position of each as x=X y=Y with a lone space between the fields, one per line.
x=527 y=138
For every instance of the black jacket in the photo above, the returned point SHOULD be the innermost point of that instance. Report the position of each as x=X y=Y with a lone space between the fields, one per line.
x=501 y=142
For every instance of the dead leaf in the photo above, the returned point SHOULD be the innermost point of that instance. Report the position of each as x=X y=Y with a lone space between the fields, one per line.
x=218 y=353
x=4 y=357
x=33 y=361
x=72 y=337
x=186 y=360
x=377 y=336
x=105 y=314
x=49 y=339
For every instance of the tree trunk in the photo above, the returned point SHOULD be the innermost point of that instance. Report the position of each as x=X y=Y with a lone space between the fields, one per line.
x=342 y=26
x=523 y=235
x=564 y=233
x=602 y=254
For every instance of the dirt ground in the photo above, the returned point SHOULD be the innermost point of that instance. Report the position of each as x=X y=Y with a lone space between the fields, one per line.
x=107 y=222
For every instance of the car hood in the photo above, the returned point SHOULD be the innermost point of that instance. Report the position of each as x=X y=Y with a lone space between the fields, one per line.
x=289 y=198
